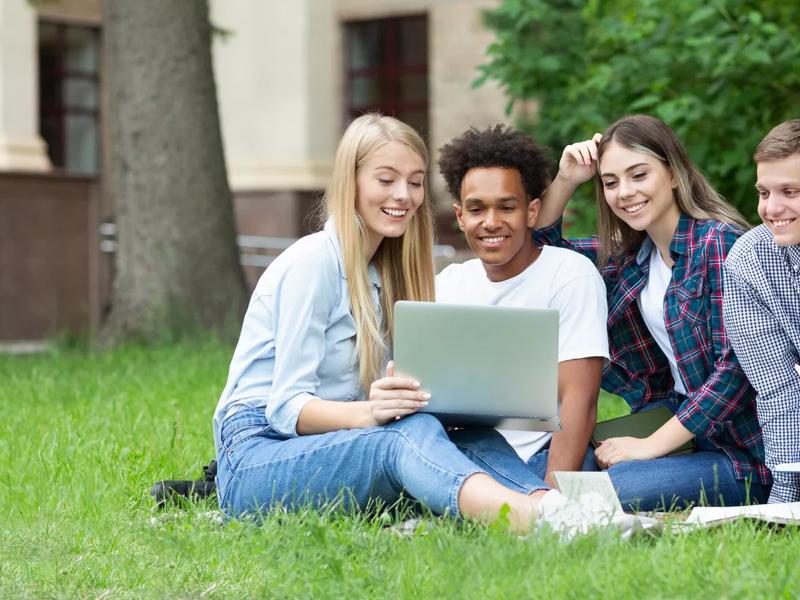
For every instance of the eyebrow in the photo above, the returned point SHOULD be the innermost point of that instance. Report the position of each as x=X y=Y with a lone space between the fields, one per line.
x=783 y=184
x=628 y=169
x=481 y=201
x=389 y=168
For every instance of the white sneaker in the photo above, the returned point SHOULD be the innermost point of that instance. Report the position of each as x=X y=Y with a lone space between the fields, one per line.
x=569 y=518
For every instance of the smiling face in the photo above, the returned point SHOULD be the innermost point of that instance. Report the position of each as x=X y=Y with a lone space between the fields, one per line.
x=638 y=188
x=496 y=216
x=390 y=188
x=778 y=188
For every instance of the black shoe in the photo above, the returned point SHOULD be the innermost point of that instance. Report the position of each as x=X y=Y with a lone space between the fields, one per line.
x=170 y=490
x=210 y=471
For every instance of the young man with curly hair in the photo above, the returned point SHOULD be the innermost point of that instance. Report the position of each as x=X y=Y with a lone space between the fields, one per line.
x=497 y=177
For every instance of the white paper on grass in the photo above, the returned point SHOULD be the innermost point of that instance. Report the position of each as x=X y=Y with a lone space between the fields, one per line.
x=785 y=513
x=574 y=484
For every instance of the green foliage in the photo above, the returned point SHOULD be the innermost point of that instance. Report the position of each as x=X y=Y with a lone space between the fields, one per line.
x=720 y=73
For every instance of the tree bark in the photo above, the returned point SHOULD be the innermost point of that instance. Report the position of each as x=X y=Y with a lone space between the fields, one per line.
x=177 y=260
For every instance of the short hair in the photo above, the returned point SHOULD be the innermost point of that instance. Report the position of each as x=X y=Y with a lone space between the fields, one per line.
x=497 y=146
x=781 y=142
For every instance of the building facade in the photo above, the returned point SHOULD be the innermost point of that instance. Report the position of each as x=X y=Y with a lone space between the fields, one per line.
x=289 y=75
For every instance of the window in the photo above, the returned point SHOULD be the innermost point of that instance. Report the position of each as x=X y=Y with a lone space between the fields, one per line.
x=69 y=95
x=386 y=69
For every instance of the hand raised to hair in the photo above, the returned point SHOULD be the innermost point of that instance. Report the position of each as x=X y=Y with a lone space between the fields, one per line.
x=578 y=162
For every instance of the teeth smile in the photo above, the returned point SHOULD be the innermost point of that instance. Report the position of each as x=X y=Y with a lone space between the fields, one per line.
x=395 y=212
x=781 y=223
x=494 y=240
x=634 y=208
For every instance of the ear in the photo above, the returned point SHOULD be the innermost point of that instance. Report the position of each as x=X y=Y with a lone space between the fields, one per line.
x=533 y=211
x=459 y=212
x=672 y=181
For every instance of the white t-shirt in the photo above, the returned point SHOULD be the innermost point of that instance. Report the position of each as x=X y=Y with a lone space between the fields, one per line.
x=651 y=305
x=559 y=279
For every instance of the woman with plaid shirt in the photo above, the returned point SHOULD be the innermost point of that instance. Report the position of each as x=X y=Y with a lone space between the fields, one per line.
x=663 y=235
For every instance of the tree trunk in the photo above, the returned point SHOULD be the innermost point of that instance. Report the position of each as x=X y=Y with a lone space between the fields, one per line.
x=177 y=260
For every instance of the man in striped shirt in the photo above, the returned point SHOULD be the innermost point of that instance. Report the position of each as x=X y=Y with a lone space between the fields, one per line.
x=762 y=305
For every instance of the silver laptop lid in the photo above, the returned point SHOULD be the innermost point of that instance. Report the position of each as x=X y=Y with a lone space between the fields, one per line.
x=483 y=365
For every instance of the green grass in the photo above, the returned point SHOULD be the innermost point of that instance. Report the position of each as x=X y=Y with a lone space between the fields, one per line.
x=84 y=435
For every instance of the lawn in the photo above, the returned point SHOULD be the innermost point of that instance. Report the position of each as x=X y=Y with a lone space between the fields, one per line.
x=84 y=435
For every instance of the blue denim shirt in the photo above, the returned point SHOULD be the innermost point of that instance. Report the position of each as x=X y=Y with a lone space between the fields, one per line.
x=298 y=336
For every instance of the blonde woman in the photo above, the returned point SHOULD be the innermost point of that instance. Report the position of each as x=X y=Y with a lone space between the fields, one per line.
x=663 y=234
x=306 y=417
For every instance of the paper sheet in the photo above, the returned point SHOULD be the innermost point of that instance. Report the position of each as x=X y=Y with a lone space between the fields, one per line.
x=573 y=484
x=787 y=513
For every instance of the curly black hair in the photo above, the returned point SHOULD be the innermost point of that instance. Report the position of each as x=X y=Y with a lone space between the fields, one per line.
x=497 y=146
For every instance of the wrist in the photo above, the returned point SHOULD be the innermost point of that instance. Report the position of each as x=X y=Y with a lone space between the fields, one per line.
x=651 y=448
x=565 y=182
x=364 y=417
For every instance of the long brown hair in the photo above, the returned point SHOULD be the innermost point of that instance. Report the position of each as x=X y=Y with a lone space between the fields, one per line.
x=693 y=193
x=405 y=264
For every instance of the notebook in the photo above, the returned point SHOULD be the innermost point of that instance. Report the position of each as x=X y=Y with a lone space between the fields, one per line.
x=640 y=425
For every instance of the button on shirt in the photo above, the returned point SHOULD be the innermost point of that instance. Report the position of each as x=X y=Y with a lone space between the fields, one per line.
x=762 y=314
x=298 y=336
x=720 y=403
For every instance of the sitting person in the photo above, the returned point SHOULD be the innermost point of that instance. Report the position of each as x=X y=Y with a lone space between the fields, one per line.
x=663 y=234
x=496 y=177
x=762 y=303
x=305 y=417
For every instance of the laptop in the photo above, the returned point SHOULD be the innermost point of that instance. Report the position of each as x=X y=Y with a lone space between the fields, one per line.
x=491 y=366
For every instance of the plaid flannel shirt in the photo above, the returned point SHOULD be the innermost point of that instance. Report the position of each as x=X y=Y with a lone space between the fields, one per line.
x=720 y=403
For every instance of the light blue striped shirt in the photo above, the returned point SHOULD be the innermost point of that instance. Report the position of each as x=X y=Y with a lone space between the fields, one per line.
x=298 y=336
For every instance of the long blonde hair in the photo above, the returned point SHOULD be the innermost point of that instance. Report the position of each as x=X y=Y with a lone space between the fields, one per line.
x=693 y=194
x=405 y=264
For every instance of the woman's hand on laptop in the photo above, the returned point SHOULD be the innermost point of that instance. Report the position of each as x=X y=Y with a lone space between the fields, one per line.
x=391 y=398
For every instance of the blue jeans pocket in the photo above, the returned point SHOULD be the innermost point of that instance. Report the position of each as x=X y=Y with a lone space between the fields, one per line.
x=239 y=429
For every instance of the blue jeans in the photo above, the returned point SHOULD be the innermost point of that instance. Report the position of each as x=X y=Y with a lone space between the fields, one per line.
x=673 y=482
x=259 y=468
x=666 y=483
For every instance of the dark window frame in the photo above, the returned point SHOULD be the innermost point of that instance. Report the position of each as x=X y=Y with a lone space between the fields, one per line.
x=388 y=75
x=57 y=112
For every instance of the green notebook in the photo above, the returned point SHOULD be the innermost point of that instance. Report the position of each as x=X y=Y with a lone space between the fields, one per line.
x=639 y=424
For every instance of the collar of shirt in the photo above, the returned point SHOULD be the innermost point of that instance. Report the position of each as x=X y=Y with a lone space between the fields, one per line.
x=372 y=271
x=791 y=254
x=683 y=237
x=645 y=250
x=679 y=245
x=634 y=275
